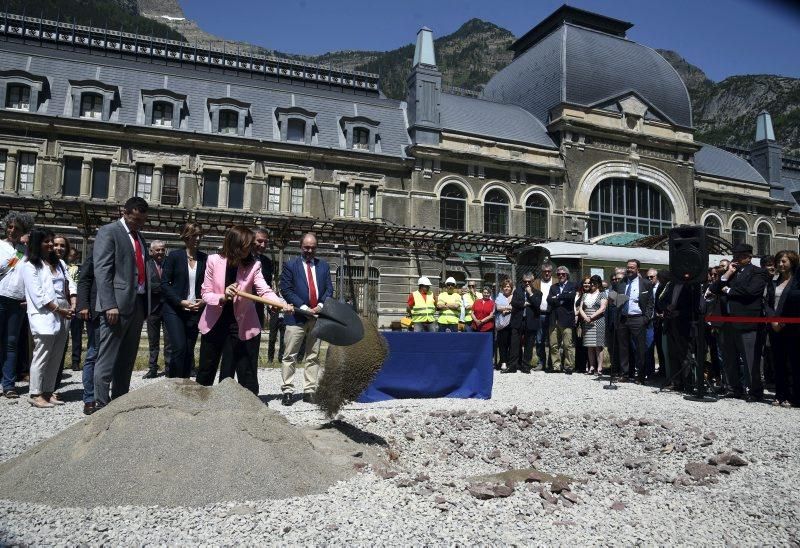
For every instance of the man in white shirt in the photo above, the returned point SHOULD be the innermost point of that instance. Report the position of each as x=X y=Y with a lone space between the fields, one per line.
x=635 y=310
x=543 y=284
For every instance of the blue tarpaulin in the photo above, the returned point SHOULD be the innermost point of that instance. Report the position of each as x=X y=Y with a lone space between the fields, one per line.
x=434 y=365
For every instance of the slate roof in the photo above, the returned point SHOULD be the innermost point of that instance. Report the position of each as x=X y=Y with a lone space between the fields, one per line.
x=494 y=120
x=790 y=180
x=61 y=66
x=585 y=67
x=716 y=162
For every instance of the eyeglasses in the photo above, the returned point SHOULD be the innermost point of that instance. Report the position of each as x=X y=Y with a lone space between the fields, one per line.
x=561 y=274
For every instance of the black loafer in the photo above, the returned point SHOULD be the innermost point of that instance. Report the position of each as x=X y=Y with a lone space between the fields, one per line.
x=150 y=374
x=309 y=397
x=287 y=399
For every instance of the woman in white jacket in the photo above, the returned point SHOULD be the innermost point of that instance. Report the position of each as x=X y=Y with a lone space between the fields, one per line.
x=47 y=291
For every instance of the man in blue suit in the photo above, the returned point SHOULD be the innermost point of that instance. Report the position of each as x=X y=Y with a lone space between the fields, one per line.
x=305 y=283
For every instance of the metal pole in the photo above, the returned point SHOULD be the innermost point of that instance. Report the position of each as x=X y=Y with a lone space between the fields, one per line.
x=340 y=275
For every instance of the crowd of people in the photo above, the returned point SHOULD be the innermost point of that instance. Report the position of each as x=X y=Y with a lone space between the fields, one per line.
x=186 y=294
x=639 y=327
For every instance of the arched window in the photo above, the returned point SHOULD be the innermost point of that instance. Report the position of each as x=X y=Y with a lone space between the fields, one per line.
x=738 y=232
x=536 y=213
x=712 y=226
x=763 y=239
x=495 y=212
x=625 y=205
x=453 y=208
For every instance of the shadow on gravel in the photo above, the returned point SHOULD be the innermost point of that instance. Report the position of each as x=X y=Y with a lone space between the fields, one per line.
x=354 y=433
x=266 y=398
x=73 y=394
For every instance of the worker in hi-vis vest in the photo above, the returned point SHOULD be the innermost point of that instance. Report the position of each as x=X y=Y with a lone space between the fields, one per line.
x=449 y=306
x=422 y=307
x=469 y=295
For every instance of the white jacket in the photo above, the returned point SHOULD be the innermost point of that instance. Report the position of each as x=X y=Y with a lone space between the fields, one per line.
x=11 y=281
x=39 y=291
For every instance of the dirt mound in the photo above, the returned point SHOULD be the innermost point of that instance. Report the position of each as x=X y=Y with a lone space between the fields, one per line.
x=173 y=443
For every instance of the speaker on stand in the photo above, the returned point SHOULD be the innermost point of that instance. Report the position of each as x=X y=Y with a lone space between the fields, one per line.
x=688 y=265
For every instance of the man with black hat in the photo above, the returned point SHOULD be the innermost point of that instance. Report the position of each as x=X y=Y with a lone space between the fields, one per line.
x=741 y=291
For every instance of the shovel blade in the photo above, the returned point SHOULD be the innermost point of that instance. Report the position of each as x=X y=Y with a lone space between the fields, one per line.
x=338 y=324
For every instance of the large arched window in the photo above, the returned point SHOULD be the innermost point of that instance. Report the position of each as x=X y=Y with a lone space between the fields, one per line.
x=625 y=205
x=739 y=232
x=495 y=212
x=453 y=207
x=536 y=212
x=763 y=239
x=712 y=226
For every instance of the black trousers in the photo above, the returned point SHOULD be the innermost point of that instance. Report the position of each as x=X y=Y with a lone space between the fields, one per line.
x=527 y=346
x=239 y=358
x=182 y=331
x=784 y=359
x=276 y=330
x=76 y=336
x=632 y=329
x=503 y=346
x=515 y=349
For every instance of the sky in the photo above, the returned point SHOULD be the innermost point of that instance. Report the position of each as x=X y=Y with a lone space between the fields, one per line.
x=722 y=37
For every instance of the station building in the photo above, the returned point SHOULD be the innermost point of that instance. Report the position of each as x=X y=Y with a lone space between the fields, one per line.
x=586 y=136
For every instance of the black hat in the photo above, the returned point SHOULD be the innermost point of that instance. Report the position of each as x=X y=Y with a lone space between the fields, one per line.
x=741 y=249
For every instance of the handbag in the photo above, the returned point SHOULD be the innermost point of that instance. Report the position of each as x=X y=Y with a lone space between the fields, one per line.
x=405 y=321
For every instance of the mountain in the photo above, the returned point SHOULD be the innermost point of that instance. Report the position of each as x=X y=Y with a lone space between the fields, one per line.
x=724 y=112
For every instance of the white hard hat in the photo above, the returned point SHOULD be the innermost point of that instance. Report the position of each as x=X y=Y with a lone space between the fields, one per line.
x=450 y=280
x=424 y=281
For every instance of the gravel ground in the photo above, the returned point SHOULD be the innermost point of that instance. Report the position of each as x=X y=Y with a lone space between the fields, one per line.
x=623 y=454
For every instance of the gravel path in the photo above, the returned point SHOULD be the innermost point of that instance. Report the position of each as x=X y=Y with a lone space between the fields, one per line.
x=624 y=455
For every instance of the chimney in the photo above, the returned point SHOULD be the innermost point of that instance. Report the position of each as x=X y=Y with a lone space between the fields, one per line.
x=765 y=154
x=424 y=91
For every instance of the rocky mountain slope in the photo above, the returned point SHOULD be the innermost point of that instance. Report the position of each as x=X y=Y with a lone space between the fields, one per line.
x=724 y=112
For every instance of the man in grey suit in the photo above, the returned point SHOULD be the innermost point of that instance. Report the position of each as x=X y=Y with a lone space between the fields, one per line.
x=123 y=299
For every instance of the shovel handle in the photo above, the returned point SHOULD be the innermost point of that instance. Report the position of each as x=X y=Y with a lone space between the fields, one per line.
x=276 y=304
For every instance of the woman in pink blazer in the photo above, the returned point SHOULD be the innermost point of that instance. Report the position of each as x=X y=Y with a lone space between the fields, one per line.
x=229 y=325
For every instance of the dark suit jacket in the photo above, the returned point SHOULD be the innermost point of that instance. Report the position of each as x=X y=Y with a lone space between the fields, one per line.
x=678 y=316
x=562 y=307
x=294 y=286
x=266 y=270
x=646 y=301
x=520 y=317
x=175 y=279
x=87 y=289
x=154 y=279
x=746 y=294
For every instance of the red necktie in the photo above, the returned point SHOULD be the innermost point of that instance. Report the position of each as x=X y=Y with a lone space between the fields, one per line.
x=137 y=249
x=312 y=288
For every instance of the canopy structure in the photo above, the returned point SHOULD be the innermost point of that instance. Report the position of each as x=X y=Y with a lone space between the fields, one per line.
x=83 y=218
x=612 y=254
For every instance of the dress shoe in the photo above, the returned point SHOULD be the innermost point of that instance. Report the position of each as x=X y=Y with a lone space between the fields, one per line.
x=508 y=371
x=754 y=398
x=310 y=397
x=88 y=408
x=151 y=374
x=76 y=367
x=525 y=370
x=568 y=371
x=287 y=399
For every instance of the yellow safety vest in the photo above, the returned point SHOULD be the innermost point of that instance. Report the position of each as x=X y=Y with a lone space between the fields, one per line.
x=468 y=301
x=423 y=309
x=448 y=316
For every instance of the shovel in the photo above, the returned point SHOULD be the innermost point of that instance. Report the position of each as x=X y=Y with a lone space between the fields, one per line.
x=337 y=322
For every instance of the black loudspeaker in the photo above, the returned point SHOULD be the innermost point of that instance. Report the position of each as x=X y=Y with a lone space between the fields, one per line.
x=688 y=254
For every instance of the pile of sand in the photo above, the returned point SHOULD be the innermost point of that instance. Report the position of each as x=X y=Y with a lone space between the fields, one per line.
x=173 y=443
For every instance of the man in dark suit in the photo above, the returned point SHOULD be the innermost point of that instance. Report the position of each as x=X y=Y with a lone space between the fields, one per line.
x=741 y=292
x=260 y=245
x=678 y=305
x=634 y=313
x=562 y=321
x=524 y=324
x=123 y=299
x=87 y=300
x=305 y=283
x=155 y=320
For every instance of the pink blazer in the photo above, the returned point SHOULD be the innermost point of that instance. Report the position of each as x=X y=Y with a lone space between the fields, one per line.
x=248 y=277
